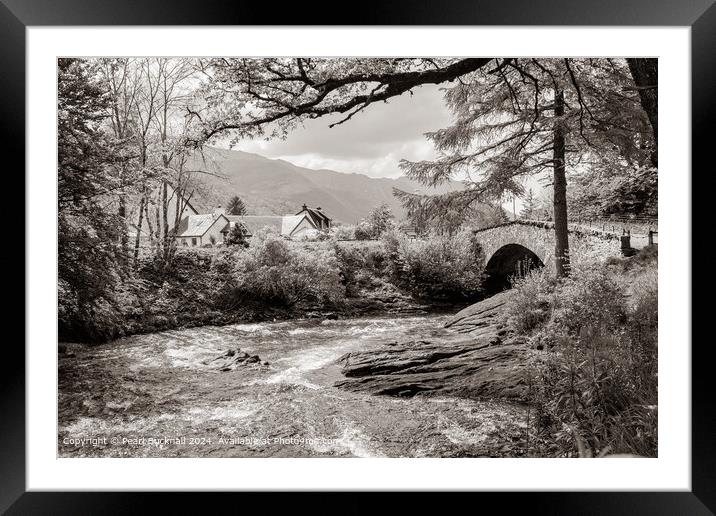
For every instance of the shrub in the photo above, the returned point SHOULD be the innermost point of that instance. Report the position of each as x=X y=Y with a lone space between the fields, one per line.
x=238 y=235
x=361 y=265
x=343 y=232
x=586 y=396
x=590 y=298
x=438 y=267
x=646 y=255
x=273 y=272
x=363 y=232
x=596 y=390
x=643 y=315
x=379 y=221
x=532 y=300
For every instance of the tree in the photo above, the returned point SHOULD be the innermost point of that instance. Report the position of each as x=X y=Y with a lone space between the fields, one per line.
x=149 y=99
x=253 y=94
x=378 y=221
x=90 y=263
x=644 y=71
x=513 y=118
x=526 y=118
x=529 y=207
x=238 y=235
x=236 y=206
x=446 y=215
x=543 y=205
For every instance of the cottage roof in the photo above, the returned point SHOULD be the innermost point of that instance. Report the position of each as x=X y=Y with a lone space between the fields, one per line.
x=315 y=214
x=197 y=225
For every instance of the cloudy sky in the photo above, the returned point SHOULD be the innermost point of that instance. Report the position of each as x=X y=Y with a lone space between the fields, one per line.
x=371 y=143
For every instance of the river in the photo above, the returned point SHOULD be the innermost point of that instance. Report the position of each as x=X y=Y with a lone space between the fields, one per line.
x=163 y=395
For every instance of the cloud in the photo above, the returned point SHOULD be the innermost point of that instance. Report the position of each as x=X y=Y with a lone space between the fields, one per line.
x=373 y=142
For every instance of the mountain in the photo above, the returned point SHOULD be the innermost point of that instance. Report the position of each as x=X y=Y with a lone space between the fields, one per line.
x=277 y=187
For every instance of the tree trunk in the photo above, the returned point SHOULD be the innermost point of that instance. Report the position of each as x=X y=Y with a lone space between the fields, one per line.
x=165 y=223
x=645 y=74
x=158 y=231
x=177 y=210
x=122 y=212
x=150 y=228
x=561 y=231
x=139 y=230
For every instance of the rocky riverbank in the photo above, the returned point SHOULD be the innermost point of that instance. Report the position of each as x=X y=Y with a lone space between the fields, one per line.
x=484 y=359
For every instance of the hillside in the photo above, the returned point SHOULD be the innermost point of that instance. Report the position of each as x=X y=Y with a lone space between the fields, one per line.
x=276 y=187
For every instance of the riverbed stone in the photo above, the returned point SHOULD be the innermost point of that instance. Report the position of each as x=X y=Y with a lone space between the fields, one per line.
x=483 y=359
x=234 y=358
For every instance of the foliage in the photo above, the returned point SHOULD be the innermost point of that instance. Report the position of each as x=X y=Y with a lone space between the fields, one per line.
x=238 y=235
x=447 y=214
x=236 y=206
x=438 y=267
x=363 y=232
x=343 y=232
x=509 y=114
x=529 y=208
x=592 y=301
x=149 y=100
x=595 y=384
x=91 y=265
x=271 y=96
x=271 y=271
x=361 y=266
x=379 y=220
x=613 y=190
x=532 y=300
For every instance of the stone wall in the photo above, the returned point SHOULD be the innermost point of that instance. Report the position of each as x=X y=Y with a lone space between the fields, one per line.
x=585 y=245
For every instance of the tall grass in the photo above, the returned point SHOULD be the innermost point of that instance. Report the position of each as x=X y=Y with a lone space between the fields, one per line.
x=593 y=380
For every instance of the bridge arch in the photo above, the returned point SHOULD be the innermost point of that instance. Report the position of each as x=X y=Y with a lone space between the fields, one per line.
x=509 y=260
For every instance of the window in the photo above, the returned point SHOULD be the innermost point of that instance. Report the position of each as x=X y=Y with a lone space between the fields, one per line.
x=193 y=241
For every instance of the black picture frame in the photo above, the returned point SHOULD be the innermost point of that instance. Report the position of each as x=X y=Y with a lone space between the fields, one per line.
x=700 y=15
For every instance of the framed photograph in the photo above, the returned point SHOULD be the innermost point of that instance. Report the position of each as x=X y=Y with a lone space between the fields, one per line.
x=416 y=250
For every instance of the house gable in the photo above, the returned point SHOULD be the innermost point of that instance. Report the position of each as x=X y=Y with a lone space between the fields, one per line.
x=294 y=224
x=319 y=219
x=198 y=225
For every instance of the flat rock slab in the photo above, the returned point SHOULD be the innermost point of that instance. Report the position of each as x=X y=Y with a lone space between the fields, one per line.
x=486 y=363
x=485 y=316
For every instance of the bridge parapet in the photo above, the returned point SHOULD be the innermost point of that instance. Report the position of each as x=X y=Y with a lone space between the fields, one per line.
x=586 y=244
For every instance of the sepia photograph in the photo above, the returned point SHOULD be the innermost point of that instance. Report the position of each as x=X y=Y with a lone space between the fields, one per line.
x=395 y=257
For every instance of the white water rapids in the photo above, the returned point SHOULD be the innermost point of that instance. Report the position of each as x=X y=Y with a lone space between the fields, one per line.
x=160 y=395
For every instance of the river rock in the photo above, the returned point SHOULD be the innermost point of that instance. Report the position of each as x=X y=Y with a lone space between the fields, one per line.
x=488 y=362
x=234 y=358
x=483 y=317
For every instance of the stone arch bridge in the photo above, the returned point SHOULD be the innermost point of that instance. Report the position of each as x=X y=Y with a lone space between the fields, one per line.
x=515 y=247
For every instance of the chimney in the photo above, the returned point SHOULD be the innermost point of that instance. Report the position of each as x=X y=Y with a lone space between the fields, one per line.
x=319 y=208
x=305 y=207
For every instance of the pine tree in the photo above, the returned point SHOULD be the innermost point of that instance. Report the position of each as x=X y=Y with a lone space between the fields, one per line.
x=236 y=206
x=529 y=207
x=526 y=118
